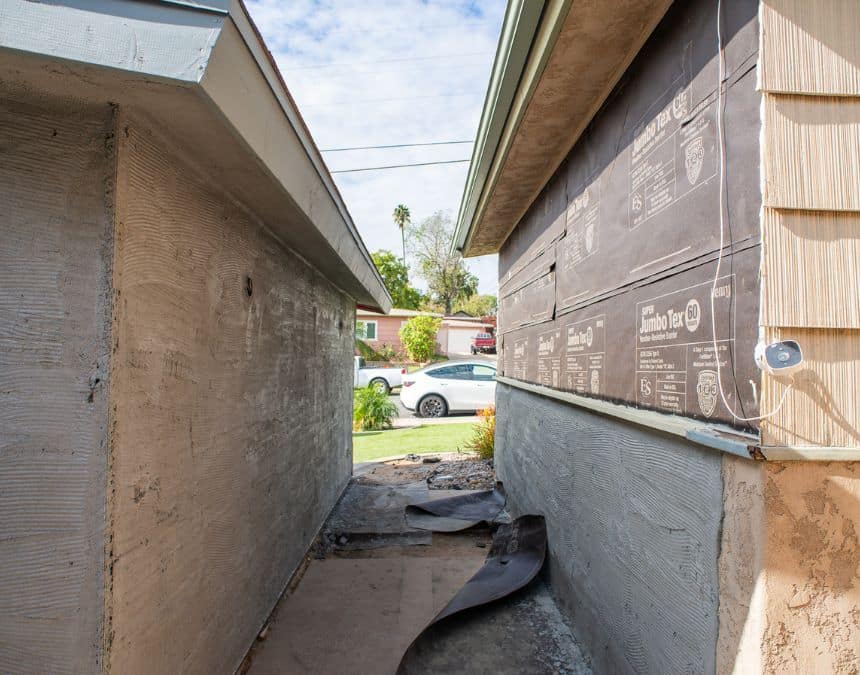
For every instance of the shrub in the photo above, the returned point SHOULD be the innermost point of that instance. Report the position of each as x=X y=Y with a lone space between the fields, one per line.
x=418 y=336
x=366 y=351
x=483 y=441
x=387 y=352
x=372 y=410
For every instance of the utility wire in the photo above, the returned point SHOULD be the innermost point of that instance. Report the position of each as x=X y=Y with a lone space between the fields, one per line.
x=389 y=99
x=408 y=68
x=400 y=166
x=399 y=145
x=365 y=63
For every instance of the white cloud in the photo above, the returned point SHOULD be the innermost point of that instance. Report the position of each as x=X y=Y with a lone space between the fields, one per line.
x=374 y=73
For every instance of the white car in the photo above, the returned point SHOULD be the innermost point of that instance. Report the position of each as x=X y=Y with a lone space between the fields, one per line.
x=452 y=386
x=381 y=379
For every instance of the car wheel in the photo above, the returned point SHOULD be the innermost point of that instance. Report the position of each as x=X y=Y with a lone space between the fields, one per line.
x=432 y=406
x=380 y=385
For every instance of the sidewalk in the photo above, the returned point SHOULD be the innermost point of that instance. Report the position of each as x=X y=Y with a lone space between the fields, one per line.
x=407 y=418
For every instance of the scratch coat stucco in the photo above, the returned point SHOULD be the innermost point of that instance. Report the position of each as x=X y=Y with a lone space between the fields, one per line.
x=55 y=247
x=633 y=518
x=231 y=438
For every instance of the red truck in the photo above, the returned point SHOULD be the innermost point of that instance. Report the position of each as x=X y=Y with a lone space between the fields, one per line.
x=484 y=343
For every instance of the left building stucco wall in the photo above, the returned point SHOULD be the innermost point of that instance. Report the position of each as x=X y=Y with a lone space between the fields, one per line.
x=232 y=400
x=56 y=191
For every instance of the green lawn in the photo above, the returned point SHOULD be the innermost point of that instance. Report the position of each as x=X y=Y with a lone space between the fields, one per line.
x=370 y=445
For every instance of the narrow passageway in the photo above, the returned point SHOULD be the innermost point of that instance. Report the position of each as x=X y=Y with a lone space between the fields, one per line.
x=372 y=583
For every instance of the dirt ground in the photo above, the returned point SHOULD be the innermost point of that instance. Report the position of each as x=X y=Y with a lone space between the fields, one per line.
x=444 y=471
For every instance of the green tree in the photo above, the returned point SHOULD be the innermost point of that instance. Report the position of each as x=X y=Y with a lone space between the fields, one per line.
x=402 y=218
x=418 y=336
x=478 y=306
x=396 y=277
x=439 y=265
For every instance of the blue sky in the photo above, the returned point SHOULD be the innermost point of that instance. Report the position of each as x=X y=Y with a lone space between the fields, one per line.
x=366 y=72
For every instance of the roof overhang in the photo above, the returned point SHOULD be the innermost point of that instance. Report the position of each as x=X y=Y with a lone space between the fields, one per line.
x=556 y=63
x=199 y=70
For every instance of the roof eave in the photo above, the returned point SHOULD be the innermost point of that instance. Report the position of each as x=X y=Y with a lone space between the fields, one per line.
x=195 y=55
x=522 y=18
x=560 y=88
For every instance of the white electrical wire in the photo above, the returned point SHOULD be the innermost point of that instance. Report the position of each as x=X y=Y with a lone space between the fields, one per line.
x=720 y=142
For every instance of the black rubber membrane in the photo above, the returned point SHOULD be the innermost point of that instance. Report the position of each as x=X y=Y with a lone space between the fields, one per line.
x=456 y=513
x=515 y=558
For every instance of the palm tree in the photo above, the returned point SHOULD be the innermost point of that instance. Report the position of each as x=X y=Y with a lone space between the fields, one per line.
x=402 y=218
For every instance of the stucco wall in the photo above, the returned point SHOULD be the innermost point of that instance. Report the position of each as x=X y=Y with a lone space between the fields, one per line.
x=633 y=518
x=790 y=568
x=55 y=234
x=231 y=395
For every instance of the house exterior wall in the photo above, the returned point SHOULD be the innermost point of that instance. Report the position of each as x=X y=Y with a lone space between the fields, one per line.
x=231 y=394
x=56 y=184
x=633 y=520
x=627 y=230
x=605 y=283
x=388 y=334
x=671 y=557
x=170 y=442
x=387 y=331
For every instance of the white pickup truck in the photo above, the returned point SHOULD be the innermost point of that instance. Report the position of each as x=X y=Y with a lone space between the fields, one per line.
x=383 y=379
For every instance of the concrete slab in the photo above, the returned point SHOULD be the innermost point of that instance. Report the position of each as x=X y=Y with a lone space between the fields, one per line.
x=524 y=633
x=359 y=608
x=359 y=615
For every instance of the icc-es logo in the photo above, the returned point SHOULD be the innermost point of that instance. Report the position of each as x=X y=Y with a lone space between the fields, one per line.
x=681 y=104
x=706 y=390
x=595 y=382
x=694 y=155
x=645 y=387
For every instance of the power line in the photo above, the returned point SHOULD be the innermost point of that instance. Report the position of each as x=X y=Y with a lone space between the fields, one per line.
x=400 y=166
x=390 y=98
x=366 y=63
x=423 y=67
x=399 y=145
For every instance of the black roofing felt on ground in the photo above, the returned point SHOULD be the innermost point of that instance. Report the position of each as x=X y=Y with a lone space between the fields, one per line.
x=515 y=558
x=456 y=513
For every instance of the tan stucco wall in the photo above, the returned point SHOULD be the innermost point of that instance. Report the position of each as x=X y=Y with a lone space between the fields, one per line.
x=790 y=568
x=55 y=233
x=231 y=415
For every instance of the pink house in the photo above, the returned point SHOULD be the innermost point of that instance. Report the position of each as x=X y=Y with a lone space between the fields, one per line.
x=453 y=339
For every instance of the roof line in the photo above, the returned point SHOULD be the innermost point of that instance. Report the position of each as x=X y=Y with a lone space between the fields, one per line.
x=522 y=18
x=294 y=116
x=212 y=6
